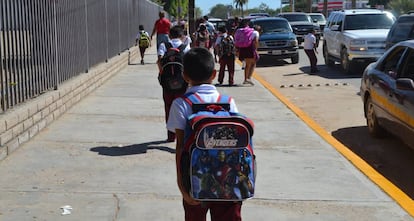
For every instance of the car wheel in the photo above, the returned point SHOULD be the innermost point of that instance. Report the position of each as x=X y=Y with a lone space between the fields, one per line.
x=345 y=62
x=374 y=128
x=328 y=61
x=295 y=59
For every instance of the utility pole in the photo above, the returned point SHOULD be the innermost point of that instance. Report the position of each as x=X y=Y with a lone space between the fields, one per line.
x=325 y=8
x=191 y=20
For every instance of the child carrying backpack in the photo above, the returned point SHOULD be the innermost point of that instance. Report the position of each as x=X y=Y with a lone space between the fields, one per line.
x=143 y=41
x=170 y=68
x=226 y=52
x=214 y=156
x=202 y=37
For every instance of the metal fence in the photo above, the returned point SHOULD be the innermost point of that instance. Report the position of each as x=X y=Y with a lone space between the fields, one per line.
x=46 y=42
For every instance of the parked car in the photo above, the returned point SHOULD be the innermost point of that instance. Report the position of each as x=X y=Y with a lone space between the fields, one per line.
x=355 y=36
x=217 y=22
x=276 y=38
x=401 y=30
x=387 y=91
x=301 y=24
x=319 y=19
x=261 y=14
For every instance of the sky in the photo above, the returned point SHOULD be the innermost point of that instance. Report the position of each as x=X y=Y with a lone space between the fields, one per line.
x=206 y=5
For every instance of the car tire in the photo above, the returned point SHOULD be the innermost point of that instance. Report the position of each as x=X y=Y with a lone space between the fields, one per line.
x=346 y=64
x=328 y=61
x=374 y=129
x=295 y=59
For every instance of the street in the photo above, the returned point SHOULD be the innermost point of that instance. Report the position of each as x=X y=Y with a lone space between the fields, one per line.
x=331 y=98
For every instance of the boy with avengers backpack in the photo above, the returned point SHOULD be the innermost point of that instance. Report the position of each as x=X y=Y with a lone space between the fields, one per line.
x=199 y=72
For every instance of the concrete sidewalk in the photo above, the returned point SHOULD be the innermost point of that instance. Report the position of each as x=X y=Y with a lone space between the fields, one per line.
x=106 y=158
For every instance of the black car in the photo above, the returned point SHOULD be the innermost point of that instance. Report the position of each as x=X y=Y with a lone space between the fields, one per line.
x=401 y=30
x=387 y=91
x=302 y=24
x=276 y=39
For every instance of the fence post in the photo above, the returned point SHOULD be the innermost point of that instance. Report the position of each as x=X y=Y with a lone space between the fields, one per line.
x=87 y=36
x=106 y=30
x=56 y=45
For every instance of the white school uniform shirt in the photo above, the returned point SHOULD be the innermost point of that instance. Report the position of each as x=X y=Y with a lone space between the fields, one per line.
x=140 y=32
x=310 y=41
x=175 y=42
x=181 y=110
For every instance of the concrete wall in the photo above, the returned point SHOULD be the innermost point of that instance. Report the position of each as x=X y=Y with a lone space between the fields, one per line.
x=23 y=122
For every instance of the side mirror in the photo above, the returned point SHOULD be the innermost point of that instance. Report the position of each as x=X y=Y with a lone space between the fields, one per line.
x=405 y=84
x=315 y=21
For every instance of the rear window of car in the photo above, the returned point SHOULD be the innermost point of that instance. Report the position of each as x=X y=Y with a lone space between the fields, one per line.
x=296 y=17
x=405 y=19
x=368 y=21
x=402 y=32
x=320 y=18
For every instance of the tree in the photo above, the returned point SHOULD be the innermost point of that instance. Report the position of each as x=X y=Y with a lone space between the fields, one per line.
x=378 y=2
x=401 y=6
x=219 y=11
x=239 y=4
x=263 y=7
x=177 y=8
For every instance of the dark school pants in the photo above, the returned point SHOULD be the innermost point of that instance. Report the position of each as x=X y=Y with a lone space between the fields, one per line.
x=219 y=211
x=168 y=98
x=229 y=62
x=312 y=58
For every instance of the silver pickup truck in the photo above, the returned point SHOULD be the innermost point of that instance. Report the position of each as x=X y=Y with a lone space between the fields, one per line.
x=355 y=36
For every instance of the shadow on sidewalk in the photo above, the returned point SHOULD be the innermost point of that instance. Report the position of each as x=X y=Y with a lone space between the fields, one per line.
x=132 y=149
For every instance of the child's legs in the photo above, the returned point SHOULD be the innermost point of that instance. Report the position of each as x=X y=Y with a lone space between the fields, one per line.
x=225 y=211
x=248 y=71
x=168 y=99
x=194 y=213
x=222 y=69
x=142 y=52
x=230 y=66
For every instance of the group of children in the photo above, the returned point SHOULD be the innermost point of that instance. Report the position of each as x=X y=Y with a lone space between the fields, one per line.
x=199 y=72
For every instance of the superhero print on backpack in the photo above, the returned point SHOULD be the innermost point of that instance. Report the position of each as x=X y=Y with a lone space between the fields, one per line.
x=226 y=47
x=144 y=41
x=171 y=76
x=217 y=162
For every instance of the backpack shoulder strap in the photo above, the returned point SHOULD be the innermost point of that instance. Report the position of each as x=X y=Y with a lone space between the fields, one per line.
x=168 y=45
x=182 y=47
x=192 y=98
x=224 y=99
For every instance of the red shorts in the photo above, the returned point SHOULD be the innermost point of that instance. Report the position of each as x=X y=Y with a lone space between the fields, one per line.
x=219 y=211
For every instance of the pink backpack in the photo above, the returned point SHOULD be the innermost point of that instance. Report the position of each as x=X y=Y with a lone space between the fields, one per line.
x=243 y=37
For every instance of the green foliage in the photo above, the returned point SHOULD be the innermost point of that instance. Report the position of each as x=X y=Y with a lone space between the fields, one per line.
x=177 y=8
x=401 y=6
x=373 y=3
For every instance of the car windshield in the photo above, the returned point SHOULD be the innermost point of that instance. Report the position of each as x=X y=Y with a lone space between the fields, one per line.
x=274 y=26
x=296 y=17
x=368 y=21
x=318 y=18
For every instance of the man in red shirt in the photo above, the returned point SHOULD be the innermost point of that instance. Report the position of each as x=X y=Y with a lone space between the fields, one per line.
x=162 y=28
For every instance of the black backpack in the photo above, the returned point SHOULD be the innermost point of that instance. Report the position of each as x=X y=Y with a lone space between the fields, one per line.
x=171 y=76
x=226 y=47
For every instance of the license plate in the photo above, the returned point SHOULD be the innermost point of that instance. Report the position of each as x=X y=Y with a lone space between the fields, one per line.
x=276 y=52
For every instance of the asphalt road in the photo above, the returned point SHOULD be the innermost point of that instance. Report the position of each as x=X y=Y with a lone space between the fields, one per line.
x=332 y=99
